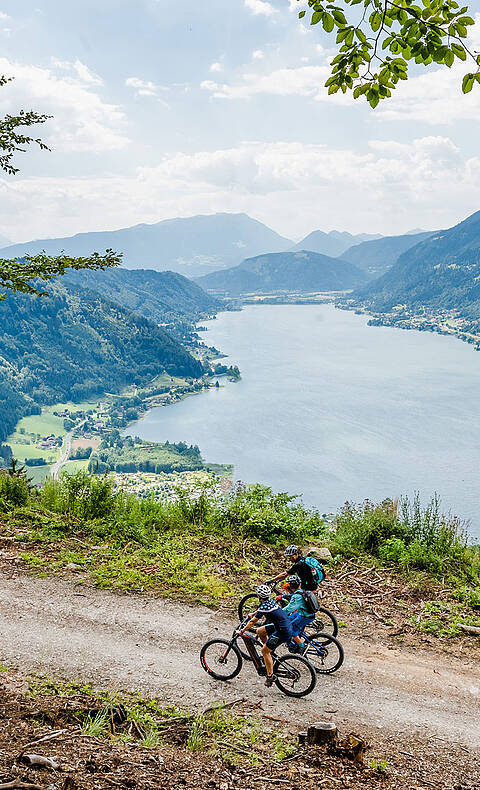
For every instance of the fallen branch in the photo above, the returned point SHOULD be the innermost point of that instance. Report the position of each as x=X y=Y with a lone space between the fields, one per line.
x=18 y=783
x=48 y=737
x=470 y=629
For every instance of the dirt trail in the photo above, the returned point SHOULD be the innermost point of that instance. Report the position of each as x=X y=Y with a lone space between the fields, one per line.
x=152 y=646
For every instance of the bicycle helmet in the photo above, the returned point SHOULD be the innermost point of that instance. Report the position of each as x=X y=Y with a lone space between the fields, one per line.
x=268 y=606
x=294 y=581
x=291 y=550
x=263 y=591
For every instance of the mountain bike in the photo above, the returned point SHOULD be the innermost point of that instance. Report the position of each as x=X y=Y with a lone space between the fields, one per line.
x=222 y=659
x=323 y=627
x=323 y=651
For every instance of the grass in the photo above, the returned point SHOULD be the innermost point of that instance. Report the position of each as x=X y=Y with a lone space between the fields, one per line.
x=23 y=447
x=220 y=731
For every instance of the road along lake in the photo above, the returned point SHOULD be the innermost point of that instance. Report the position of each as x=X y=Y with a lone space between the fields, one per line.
x=334 y=410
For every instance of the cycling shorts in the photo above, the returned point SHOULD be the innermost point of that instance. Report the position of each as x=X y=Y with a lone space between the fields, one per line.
x=276 y=638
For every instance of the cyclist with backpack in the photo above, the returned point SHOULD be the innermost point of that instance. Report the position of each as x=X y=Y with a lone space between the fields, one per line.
x=276 y=631
x=308 y=569
x=299 y=609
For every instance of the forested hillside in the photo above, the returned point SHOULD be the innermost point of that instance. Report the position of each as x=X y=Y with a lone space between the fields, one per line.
x=302 y=272
x=76 y=343
x=377 y=256
x=162 y=297
x=442 y=272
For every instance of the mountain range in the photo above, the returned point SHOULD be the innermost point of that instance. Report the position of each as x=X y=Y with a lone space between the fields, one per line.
x=301 y=271
x=191 y=246
x=440 y=272
x=376 y=256
x=333 y=243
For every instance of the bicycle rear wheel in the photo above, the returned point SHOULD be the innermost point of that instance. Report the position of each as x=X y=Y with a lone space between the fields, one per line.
x=221 y=659
x=325 y=654
x=295 y=675
x=325 y=623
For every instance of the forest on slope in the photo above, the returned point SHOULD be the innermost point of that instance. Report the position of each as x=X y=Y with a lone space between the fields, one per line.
x=75 y=343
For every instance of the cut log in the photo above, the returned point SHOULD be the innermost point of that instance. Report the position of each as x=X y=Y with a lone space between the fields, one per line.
x=302 y=738
x=321 y=732
x=470 y=629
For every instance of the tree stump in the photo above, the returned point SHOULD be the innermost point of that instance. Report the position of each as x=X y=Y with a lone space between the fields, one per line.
x=321 y=732
x=302 y=738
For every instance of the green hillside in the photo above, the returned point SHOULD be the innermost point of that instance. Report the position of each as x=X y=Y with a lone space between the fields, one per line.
x=73 y=344
x=442 y=272
x=377 y=256
x=163 y=297
x=302 y=272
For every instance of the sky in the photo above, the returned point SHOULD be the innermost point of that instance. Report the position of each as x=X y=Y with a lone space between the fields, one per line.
x=164 y=109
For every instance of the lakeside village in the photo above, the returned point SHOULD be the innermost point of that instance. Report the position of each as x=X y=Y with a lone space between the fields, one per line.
x=69 y=437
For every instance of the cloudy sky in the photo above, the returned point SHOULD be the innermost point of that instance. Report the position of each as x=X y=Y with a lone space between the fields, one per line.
x=168 y=108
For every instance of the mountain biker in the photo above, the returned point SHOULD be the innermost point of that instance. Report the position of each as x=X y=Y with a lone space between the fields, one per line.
x=297 y=610
x=278 y=628
x=300 y=568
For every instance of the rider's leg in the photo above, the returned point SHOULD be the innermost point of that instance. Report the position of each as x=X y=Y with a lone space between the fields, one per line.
x=262 y=633
x=267 y=657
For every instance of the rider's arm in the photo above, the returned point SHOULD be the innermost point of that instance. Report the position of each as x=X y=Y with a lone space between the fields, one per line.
x=279 y=578
x=253 y=621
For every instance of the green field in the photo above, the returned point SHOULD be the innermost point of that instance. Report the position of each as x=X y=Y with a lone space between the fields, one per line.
x=38 y=474
x=43 y=424
x=22 y=451
x=75 y=466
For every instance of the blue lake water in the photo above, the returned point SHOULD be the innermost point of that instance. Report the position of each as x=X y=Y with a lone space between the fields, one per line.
x=335 y=410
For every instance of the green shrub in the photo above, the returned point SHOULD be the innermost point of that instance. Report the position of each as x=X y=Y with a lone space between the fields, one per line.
x=14 y=490
x=409 y=535
x=81 y=495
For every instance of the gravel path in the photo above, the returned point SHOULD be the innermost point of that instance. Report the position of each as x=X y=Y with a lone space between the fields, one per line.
x=151 y=646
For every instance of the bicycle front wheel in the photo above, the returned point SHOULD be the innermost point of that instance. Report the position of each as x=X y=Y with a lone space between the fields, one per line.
x=247 y=605
x=325 y=654
x=325 y=623
x=295 y=675
x=221 y=659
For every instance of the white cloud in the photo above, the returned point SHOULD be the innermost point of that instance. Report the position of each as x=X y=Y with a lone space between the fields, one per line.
x=302 y=81
x=82 y=71
x=82 y=120
x=294 y=187
x=297 y=5
x=3 y=16
x=142 y=87
x=258 y=54
x=216 y=67
x=260 y=7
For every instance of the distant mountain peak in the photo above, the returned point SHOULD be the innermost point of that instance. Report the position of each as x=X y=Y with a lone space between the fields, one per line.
x=189 y=245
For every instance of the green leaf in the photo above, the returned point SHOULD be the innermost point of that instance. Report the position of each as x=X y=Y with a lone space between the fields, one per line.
x=301 y=14
x=316 y=17
x=459 y=51
x=467 y=82
x=328 y=23
x=449 y=58
x=375 y=21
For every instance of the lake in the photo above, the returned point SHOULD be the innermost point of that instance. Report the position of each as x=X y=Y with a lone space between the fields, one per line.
x=335 y=410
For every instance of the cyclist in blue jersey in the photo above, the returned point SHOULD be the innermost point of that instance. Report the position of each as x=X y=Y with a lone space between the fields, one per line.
x=297 y=611
x=300 y=567
x=276 y=631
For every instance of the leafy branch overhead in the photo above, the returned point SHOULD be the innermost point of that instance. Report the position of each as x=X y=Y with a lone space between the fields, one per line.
x=376 y=48
x=21 y=275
